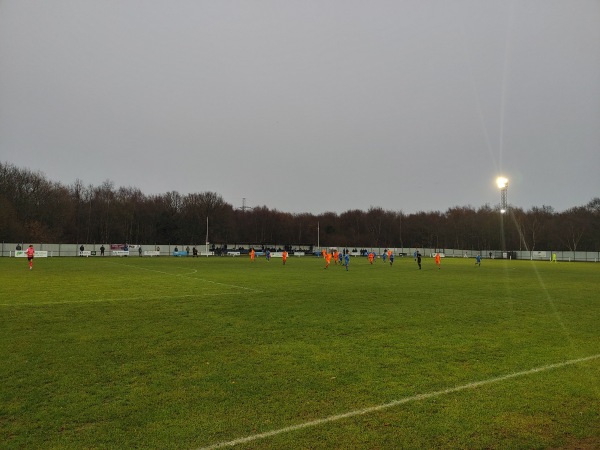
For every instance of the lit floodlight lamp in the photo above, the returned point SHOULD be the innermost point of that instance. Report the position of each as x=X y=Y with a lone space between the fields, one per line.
x=502 y=183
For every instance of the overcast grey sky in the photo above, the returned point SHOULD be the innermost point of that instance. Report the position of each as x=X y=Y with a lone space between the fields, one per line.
x=308 y=106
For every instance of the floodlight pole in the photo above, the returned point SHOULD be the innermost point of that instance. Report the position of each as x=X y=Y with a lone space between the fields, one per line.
x=503 y=202
x=318 y=236
x=503 y=186
x=206 y=236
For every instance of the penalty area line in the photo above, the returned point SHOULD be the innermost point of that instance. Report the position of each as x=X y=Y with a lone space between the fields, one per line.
x=402 y=401
x=258 y=291
x=116 y=299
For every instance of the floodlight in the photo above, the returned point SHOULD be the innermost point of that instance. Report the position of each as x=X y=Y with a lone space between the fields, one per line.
x=502 y=182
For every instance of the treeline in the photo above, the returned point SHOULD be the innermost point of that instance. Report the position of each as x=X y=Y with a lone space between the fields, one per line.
x=34 y=209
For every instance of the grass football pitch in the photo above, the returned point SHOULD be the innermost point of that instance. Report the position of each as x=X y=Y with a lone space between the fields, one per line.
x=191 y=353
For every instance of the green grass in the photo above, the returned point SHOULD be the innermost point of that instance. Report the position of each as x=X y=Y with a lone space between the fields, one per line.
x=186 y=353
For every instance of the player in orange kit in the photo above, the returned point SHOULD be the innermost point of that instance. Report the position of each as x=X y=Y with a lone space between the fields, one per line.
x=438 y=260
x=284 y=257
x=252 y=255
x=327 y=260
x=371 y=257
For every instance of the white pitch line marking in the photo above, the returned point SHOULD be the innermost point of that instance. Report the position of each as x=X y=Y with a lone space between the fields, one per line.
x=117 y=299
x=194 y=278
x=361 y=412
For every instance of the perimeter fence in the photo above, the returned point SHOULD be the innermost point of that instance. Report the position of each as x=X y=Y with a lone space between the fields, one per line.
x=10 y=249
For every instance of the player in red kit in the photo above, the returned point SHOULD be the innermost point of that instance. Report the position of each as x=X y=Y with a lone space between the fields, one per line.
x=30 y=252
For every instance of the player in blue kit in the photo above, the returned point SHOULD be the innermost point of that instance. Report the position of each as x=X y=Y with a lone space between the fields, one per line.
x=347 y=260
